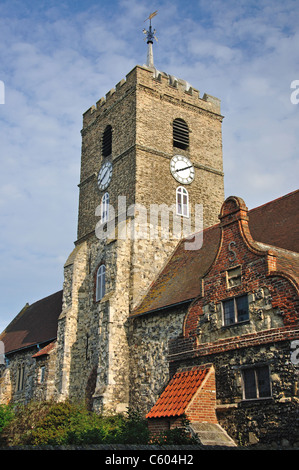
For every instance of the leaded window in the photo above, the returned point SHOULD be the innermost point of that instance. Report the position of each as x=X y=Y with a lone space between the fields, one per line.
x=235 y=310
x=105 y=208
x=256 y=382
x=182 y=201
x=100 y=282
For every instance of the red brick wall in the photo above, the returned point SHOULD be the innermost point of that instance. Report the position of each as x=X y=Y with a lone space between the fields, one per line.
x=200 y=409
x=258 y=270
x=157 y=425
x=202 y=406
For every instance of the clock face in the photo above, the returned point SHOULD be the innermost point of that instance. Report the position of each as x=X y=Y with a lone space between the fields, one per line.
x=105 y=175
x=182 y=169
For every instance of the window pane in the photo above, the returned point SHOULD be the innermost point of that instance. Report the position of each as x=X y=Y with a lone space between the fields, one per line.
x=249 y=383
x=179 y=202
x=185 y=208
x=264 y=381
x=100 y=285
x=229 y=312
x=242 y=308
x=105 y=208
x=182 y=201
x=103 y=284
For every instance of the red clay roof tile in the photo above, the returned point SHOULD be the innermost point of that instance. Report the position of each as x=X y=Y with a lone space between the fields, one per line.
x=46 y=350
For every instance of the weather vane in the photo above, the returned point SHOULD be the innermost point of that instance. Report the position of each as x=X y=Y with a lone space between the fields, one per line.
x=150 y=36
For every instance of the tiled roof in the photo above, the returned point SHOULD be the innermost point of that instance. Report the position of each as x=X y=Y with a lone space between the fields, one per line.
x=179 y=392
x=275 y=223
x=46 y=350
x=36 y=323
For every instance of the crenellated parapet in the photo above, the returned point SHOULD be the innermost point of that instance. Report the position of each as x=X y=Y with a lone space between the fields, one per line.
x=161 y=83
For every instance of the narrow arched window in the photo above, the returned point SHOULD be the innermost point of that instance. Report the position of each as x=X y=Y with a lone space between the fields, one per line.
x=107 y=142
x=182 y=201
x=105 y=208
x=100 y=282
x=20 y=377
x=180 y=134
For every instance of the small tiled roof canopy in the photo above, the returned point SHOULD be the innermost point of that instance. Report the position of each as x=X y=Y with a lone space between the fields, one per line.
x=179 y=392
x=35 y=324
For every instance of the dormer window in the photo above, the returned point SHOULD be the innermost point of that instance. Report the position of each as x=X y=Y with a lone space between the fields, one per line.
x=107 y=142
x=180 y=134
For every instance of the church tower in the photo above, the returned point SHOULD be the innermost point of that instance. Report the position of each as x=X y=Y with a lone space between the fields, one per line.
x=151 y=165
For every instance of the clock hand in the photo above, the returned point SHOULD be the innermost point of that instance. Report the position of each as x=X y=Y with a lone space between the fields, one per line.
x=182 y=169
x=104 y=175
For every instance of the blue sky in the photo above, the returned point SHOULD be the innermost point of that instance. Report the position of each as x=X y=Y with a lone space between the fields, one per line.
x=57 y=58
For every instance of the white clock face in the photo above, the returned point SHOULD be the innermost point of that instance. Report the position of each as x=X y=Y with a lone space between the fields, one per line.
x=105 y=175
x=182 y=169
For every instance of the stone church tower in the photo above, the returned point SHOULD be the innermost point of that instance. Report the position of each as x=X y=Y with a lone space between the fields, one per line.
x=151 y=158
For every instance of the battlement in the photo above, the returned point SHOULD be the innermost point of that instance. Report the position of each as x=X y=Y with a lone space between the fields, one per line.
x=160 y=83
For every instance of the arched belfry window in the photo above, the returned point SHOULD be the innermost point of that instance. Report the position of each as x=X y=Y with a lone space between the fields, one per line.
x=107 y=142
x=182 y=201
x=180 y=134
x=100 y=282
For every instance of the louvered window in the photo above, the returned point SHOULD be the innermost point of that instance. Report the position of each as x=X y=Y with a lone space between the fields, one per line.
x=180 y=134
x=107 y=142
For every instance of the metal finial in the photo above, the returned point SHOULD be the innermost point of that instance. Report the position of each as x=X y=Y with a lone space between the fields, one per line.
x=150 y=33
x=150 y=36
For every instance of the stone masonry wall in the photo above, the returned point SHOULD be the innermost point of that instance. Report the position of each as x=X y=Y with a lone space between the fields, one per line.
x=149 y=367
x=93 y=337
x=271 y=420
x=33 y=388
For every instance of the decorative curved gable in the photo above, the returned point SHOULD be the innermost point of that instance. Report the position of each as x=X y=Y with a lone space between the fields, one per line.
x=259 y=277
